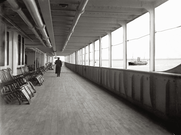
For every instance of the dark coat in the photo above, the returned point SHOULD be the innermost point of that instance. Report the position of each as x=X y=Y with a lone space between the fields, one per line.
x=58 y=66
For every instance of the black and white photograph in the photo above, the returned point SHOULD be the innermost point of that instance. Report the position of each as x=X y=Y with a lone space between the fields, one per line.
x=90 y=67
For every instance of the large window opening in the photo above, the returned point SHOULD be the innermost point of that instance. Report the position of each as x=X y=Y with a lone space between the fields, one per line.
x=105 y=49
x=168 y=33
x=117 y=48
x=138 y=43
x=91 y=55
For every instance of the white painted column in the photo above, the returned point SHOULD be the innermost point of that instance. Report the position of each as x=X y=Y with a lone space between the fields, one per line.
x=100 y=53
x=93 y=48
x=15 y=52
x=88 y=55
x=84 y=55
x=125 y=46
x=11 y=49
x=110 y=49
x=5 y=49
x=81 y=57
x=152 y=39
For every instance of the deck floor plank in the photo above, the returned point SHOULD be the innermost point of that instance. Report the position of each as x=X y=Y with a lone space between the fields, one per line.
x=71 y=105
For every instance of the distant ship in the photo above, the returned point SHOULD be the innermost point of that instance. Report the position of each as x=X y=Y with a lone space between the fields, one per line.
x=138 y=62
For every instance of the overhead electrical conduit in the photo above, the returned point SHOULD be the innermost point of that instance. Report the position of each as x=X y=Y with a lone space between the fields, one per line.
x=75 y=21
x=17 y=9
x=33 y=9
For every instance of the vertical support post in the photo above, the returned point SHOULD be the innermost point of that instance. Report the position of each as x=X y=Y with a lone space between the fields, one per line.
x=76 y=57
x=152 y=39
x=100 y=53
x=84 y=55
x=88 y=53
x=5 y=45
x=80 y=56
x=93 y=51
x=110 y=49
x=125 y=46
x=15 y=52
x=10 y=49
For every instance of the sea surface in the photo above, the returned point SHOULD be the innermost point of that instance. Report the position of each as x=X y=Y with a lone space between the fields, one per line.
x=160 y=64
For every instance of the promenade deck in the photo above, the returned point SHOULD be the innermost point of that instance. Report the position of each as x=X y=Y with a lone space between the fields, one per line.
x=71 y=105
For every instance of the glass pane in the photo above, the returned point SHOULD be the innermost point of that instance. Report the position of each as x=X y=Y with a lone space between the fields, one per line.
x=87 y=59
x=91 y=59
x=97 y=45
x=91 y=47
x=168 y=49
x=117 y=36
x=96 y=58
x=105 y=62
x=83 y=62
x=168 y=31
x=162 y=14
x=87 y=49
x=138 y=27
x=96 y=63
x=117 y=56
x=138 y=49
x=104 y=42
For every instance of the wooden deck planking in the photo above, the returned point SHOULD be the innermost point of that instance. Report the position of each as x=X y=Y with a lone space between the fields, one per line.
x=70 y=105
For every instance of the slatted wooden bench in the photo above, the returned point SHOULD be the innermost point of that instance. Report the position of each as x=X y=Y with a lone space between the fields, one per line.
x=15 y=89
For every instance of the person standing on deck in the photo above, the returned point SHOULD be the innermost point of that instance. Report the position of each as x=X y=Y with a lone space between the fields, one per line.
x=58 y=64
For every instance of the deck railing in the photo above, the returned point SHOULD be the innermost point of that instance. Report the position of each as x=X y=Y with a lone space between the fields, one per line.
x=157 y=92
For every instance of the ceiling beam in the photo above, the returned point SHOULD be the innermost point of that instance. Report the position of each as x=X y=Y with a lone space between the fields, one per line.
x=123 y=3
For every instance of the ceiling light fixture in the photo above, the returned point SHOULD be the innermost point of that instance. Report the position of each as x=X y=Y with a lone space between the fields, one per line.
x=63 y=5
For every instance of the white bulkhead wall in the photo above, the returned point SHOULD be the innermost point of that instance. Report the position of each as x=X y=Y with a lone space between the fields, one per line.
x=13 y=48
